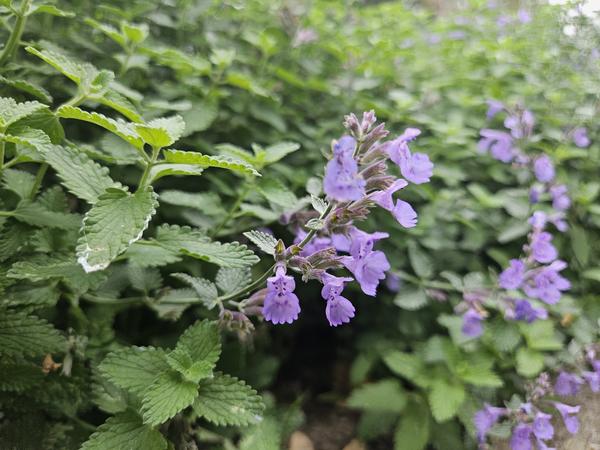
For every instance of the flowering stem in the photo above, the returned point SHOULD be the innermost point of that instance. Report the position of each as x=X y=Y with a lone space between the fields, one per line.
x=15 y=35
x=312 y=232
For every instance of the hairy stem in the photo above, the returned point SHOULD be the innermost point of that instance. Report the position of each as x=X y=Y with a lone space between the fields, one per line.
x=144 y=180
x=39 y=176
x=15 y=35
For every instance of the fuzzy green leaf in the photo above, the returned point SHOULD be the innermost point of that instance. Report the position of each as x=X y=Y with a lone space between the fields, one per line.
x=275 y=152
x=125 y=431
x=385 y=395
x=161 y=132
x=75 y=71
x=116 y=221
x=204 y=161
x=445 y=399
x=22 y=334
x=165 y=169
x=134 y=368
x=206 y=290
x=169 y=394
x=18 y=181
x=38 y=215
x=262 y=240
x=225 y=400
x=230 y=280
x=12 y=111
x=413 y=430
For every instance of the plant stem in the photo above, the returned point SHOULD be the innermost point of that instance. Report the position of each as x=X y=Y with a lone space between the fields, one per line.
x=144 y=178
x=238 y=201
x=15 y=35
x=2 y=143
x=39 y=176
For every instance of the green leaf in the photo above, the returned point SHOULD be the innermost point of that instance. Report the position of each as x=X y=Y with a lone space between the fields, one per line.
x=38 y=215
x=79 y=73
x=197 y=245
x=124 y=130
x=134 y=368
x=146 y=254
x=541 y=335
x=204 y=161
x=197 y=351
x=18 y=181
x=25 y=86
x=478 y=373
x=12 y=111
x=206 y=290
x=231 y=279
x=445 y=399
x=48 y=9
x=161 y=132
x=420 y=261
x=79 y=174
x=169 y=394
x=385 y=395
x=19 y=377
x=125 y=431
x=108 y=30
x=25 y=335
x=119 y=103
x=165 y=170
x=276 y=192
x=200 y=117
x=512 y=231
x=116 y=221
x=592 y=274
x=264 y=241
x=412 y=432
x=580 y=242
x=275 y=152
x=529 y=362
x=407 y=365
x=207 y=202
x=411 y=299
x=266 y=435
x=225 y=400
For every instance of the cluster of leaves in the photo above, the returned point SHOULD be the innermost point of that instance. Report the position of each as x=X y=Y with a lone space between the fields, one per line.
x=86 y=251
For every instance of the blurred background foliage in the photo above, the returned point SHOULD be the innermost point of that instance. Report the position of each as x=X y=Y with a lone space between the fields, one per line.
x=261 y=72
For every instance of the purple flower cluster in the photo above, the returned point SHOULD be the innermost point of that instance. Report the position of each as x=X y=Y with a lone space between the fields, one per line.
x=570 y=383
x=356 y=180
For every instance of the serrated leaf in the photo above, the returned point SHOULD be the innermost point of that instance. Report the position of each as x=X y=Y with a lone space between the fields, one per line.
x=48 y=9
x=263 y=241
x=541 y=335
x=134 y=368
x=147 y=254
x=125 y=431
x=199 y=117
x=206 y=290
x=412 y=432
x=75 y=71
x=420 y=261
x=38 y=215
x=275 y=152
x=204 y=161
x=169 y=394
x=478 y=374
x=26 y=335
x=26 y=86
x=318 y=204
x=407 y=365
x=119 y=103
x=277 y=193
x=116 y=221
x=18 y=181
x=445 y=399
x=124 y=130
x=197 y=245
x=225 y=400
x=19 y=377
x=411 y=299
x=385 y=395
x=207 y=202
x=79 y=174
x=165 y=169
x=108 y=30
x=11 y=111
x=31 y=298
x=529 y=362
x=161 y=132
x=232 y=279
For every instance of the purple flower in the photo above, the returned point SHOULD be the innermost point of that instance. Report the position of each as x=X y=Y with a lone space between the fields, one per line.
x=547 y=284
x=523 y=16
x=521 y=437
x=542 y=249
x=316 y=244
x=385 y=198
x=542 y=427
x=534 y=194
x=569 y=416
x=513 y=276
x=560 y=197
x=567 y=384
x=498 y=143
x=525 y=312
x=494 y=107
x=339 y=310
x=486 y=418
x=341 y=242
x=472 y=326
x=543 y=169
x=580 y=137
x=520 y=126
x=593 y=379
x=409 y=134
x=416 y=168
x=405 y=214
x=367 y=266
x=281 y=304
x=393 y=282
x=538 y=220
x=342 y=181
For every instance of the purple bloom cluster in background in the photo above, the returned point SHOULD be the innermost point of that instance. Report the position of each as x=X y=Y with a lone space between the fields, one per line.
x=532 y=281
x=357 y=178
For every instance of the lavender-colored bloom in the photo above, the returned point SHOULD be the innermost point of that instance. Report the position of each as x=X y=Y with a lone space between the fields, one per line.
x=593 y=379
x=502 y=21
x=567 y=384
x=339 y=309
x=523 y=16
x=342 y=181
x=316 y=244
x=405 y=214
x=542 y=427
x=520 y=126
x=543 y=169
x=472 y=326
x=534 y=194
x=498 y=143
x=521 y=437
x=409 y=134
x=525 y=312
x=569 y=416
x=385 y=198
x=538 y=220
x=393 y=282
x=367 y=266
x=542 y=249
x=341 y=242
x=416 y=168
x=580 y=137
x=486 y=418
x=547 y=284
x=560 y=197
x=513 y=276
x=494 y=107
x=281 y=304
x=457 y=35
